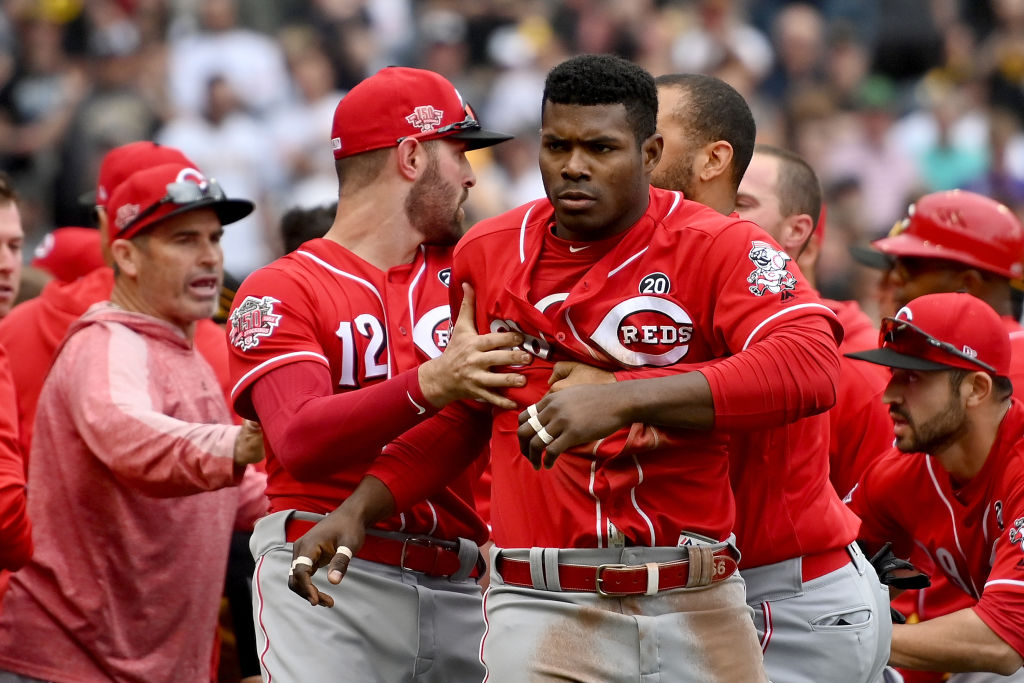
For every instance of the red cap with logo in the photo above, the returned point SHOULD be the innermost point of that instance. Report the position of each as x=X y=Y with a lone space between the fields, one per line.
x=154 y=194
x=960 y=226
x=941 y=332
x=121 y=162
x=400 y=102
x=69 y=253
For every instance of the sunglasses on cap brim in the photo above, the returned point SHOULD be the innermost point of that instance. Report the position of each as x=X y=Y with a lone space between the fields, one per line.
x=181 y=193
x=906 y=337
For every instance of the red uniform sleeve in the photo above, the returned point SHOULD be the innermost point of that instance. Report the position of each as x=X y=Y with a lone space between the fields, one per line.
x=789 y=374
x=305 y=423
x=15 y=529
x=1001 y=605
x=425 y=459
x=270 y=330
x=861 y=429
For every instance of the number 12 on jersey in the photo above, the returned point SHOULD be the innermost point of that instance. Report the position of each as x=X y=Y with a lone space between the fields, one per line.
x=370 y=328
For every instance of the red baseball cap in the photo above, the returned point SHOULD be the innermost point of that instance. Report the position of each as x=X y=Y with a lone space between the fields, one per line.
x=942 y=332
x=69 y=253
x=121 y=162
x=960 y=226
x=153 y=194
x=399 y=102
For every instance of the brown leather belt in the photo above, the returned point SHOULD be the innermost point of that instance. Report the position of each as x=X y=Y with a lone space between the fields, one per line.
x=614 y=580
x=431 y=556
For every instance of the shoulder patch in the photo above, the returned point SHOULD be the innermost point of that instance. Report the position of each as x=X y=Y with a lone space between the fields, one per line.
x=252 y=320
x=770 y=274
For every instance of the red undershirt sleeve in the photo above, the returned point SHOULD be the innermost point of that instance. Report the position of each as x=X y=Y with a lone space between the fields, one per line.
x=425 y=459
x=305 y=422
x=789 y=374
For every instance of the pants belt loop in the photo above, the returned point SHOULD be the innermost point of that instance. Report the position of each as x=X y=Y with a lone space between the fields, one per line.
x=537 y=569
x=701 y=566
x=550 y=561
x=469 y=554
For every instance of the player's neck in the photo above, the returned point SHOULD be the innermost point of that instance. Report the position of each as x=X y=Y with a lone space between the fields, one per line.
x=379 y=235
x=965 y=458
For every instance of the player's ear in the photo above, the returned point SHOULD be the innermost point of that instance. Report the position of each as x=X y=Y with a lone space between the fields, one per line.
x=717 y=160
x=796 y=230
x=125 y=256
x=651 y=150
x=977 y=387
x=410 y=158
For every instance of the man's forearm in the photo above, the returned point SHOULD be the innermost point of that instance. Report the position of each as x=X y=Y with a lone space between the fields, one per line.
x=960 y=641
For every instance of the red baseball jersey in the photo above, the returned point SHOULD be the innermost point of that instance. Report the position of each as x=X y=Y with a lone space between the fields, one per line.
x=860 y=426
x=942 y=597
x=322 y=303
x=973 y=533
x=683 y=285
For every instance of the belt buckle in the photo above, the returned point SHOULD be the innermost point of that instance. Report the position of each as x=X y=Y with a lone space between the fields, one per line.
x=598 y=580
x=423 y=541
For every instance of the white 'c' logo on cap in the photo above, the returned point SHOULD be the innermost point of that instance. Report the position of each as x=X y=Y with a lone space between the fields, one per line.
x=905 y=314
x=193 y=175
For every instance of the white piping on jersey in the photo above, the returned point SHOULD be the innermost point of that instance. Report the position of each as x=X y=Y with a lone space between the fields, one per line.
x=551 y=299
x=984 y=522
x=401 y=516
x=590 y=487
x=522 y=236
x=1004 y=582
x=275 y=359
x=784 y=312
x=365 y=283
x=625 y=263
x=412 y=288
x=952 y=518
x=572 y=328
x=677 y=197
x=632 y=497
x=433 y=516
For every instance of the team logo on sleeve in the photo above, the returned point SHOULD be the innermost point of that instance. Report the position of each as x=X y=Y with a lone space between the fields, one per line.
x=252 y=320
x=1016 y=534
x=445 y=276
x=770 y=274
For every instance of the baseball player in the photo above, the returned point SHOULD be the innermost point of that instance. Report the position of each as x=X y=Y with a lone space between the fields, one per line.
x=956 y=241
x=780 y=192
x=342 y=345
x=816 y=600
x=954 y=483
x=612 y=559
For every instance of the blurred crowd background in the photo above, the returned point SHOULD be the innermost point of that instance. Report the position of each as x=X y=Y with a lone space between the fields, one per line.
x=887 y=99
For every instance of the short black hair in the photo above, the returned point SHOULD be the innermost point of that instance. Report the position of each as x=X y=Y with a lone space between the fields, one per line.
x=798 y=188
x=592 y=80
x=714 y=110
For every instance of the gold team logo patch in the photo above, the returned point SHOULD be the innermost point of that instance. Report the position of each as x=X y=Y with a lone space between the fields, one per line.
x=770 y=275
x=252 y=320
